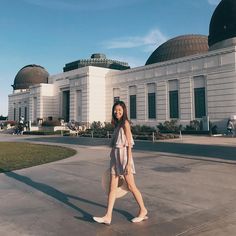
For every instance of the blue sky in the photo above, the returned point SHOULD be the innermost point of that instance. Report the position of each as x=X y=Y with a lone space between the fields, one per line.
x=52 y=33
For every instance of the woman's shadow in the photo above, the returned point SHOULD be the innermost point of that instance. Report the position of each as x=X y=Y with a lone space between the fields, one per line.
x=62 y=197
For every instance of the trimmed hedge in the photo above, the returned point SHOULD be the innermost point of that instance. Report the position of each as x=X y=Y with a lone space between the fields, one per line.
x=42 y=132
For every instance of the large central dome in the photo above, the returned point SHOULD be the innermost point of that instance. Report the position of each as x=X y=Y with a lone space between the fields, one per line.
x=30 y=75
x=223 y=22
x=181 y=46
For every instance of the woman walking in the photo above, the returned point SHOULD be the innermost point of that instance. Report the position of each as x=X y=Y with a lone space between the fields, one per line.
x=121 y=164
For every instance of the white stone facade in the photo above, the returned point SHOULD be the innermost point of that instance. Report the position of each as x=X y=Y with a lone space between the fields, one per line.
x=214 y=70
x=89 y=91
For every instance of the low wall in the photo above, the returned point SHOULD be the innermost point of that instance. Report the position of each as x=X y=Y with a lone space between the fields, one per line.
x=48 y=128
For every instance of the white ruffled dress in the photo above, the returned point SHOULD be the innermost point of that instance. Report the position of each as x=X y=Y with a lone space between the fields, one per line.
x=119 y=155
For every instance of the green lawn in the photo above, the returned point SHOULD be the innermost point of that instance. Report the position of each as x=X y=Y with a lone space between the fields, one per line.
x=16 y=155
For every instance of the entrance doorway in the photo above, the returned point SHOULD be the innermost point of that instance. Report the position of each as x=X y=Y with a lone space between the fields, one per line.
x=66 y=105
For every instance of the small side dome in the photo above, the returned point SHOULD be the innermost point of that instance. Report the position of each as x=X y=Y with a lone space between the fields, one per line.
x=30 y=75
x=181 y=46
x=223 y=24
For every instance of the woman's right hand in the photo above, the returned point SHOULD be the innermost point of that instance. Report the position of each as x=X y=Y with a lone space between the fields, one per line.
x=128 y=169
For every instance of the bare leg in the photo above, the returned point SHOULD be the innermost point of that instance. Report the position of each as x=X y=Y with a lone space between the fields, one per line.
x=110 y=202
x=136 y=193
x=111 y=196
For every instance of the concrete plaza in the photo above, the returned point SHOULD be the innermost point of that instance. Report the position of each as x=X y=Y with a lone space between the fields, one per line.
x=188 y=186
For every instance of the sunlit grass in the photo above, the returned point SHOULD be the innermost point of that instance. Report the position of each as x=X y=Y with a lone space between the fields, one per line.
x=16 y=155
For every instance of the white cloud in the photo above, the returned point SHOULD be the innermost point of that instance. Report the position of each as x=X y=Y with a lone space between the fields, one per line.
x=147 y=42
x=214 y=2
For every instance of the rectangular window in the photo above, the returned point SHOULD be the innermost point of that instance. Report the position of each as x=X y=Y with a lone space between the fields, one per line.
x=116 y=95
x=132 y=102
x=199 y=101
x=66 y=105
x=35 y=109
x=25 y=114
x=19 y=113
x=14 y=114
x=174 y=104
x=116 y=99
x=79 y=105
x=151 y=105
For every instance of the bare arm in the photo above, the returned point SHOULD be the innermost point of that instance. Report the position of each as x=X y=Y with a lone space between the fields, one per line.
x=128 y=135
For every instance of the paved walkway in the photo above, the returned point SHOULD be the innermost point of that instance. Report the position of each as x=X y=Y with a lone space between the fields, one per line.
x=188 y=186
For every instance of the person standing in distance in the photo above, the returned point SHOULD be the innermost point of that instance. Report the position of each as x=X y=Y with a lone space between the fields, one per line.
x=121 y=164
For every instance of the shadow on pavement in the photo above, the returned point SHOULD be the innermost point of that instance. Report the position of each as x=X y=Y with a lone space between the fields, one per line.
x=198 y=150
x=62 y=197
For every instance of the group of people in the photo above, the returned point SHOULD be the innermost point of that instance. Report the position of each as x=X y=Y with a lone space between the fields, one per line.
x=19 y=128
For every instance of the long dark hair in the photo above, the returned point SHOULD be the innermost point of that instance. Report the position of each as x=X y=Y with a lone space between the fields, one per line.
x=121 y=122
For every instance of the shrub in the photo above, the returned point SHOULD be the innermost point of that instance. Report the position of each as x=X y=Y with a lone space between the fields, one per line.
x=10 y=122
x=141 y=132
x=169 y=126
x=194 y=125
x=96 y=125
x=99 y=129
x=41 y=132
x=108 y=126
x=213 y=128
x=142 y=129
